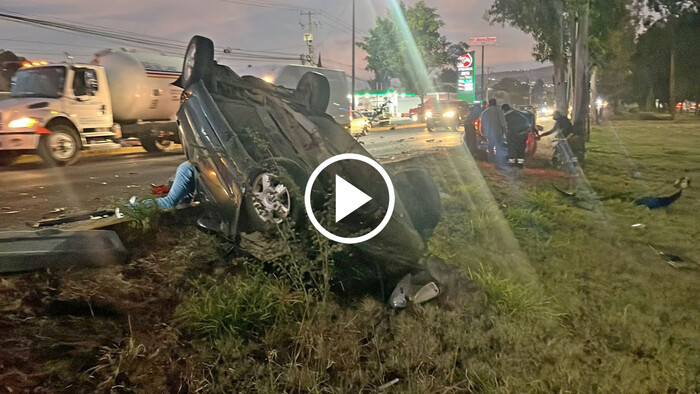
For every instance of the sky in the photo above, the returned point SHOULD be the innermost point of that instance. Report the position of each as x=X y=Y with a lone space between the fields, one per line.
x=262 y=25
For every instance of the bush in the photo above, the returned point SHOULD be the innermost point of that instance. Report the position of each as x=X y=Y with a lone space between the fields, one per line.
x=239 y=307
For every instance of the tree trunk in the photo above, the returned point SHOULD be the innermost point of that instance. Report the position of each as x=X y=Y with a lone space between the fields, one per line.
x=559 y=80
x=560 y=67
x=672 y=78
x=593 y=113
x=581 y=78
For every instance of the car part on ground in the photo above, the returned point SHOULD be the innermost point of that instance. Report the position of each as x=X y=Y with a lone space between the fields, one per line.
x=57 y=249
x=413 y=289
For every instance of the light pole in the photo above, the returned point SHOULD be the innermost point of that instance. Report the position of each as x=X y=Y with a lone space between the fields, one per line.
x=352 y=107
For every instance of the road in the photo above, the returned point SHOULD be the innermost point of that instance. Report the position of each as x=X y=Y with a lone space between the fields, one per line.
x=29 y=190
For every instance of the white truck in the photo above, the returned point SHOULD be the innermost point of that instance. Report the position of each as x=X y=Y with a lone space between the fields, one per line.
x=57 y=110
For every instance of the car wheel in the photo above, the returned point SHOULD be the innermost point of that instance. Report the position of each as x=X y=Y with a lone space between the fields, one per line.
x=430 y=128
x=271 y=200
x=421 y=198
x=198 y=61
x=61 y=147
x=7 y=158
x=152 y=144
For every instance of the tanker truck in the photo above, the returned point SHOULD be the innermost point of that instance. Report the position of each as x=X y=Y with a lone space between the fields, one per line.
x=58 y=110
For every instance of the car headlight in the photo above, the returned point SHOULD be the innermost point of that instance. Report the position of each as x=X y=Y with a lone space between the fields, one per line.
x=414 y=118
x=22 y=123
x=360 y=123
x=428 y=114
x=449 y=114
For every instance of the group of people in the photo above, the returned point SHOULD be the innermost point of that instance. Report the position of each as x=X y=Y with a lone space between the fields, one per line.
x=504 y=126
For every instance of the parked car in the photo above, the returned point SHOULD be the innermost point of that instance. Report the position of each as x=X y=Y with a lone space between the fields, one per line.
x=450 y=114
x=359 y=124
x=254 y=146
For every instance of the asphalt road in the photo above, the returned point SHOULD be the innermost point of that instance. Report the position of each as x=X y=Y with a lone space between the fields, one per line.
x=29 y=190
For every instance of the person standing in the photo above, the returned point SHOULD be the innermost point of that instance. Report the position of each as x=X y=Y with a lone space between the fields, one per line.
x=519 y=126
x=494 y=128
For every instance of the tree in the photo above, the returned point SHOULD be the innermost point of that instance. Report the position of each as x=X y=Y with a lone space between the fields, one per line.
x=565 y=31
x=653 y=58
x=408 y=45
x=382 y=52
x=615 y=77
x=546 y=22
x=9 y=64
x=670 y=12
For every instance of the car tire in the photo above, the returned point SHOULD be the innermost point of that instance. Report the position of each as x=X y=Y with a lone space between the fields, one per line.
x=258 y=207
x=421 y=198
x=61 y=147
x=152 y=145
x=430 y=128
x=198 y=61
x=8 y=157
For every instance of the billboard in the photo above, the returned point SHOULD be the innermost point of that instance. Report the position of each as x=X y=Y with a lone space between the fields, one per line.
x=465 y=77
x=481 y=41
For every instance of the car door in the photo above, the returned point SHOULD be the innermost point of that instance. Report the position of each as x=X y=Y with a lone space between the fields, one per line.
x=88 y=105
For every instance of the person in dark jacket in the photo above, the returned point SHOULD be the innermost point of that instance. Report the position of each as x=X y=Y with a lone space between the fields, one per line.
x=519 y=126
x=575 y=141
x=494 y=128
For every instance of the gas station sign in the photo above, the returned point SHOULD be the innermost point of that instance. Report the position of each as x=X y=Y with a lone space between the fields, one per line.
x=465 y=77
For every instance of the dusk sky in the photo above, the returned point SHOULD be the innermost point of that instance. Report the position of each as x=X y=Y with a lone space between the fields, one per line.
x=272 y=25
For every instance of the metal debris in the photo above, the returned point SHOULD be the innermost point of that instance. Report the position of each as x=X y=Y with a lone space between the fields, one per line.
x=388 y=384
x=639 y=226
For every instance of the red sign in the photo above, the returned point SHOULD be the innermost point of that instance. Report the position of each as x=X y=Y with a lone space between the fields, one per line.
x=466 y=60
x=483 y=40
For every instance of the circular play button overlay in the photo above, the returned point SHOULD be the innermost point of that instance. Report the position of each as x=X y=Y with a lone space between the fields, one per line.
x=349 y=198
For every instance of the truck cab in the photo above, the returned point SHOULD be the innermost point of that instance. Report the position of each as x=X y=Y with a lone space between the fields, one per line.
x=57 y=110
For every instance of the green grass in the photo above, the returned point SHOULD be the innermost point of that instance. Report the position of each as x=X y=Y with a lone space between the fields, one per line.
x=569 y=299
x=557 y=298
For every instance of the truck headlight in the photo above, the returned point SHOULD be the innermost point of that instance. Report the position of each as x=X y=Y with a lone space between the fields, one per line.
x=428 y=114
x=449 y=114
x=23 y=123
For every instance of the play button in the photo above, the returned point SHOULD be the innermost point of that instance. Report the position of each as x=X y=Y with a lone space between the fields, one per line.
x=349 y=198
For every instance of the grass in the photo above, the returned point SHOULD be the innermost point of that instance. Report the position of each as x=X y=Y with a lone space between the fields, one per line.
x=556 y=299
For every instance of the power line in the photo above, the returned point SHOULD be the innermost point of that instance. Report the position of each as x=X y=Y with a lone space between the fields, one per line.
x=140 y=40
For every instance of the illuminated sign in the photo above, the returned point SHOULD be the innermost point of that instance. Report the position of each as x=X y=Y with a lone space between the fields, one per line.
x=482 y=41
x=465 y=77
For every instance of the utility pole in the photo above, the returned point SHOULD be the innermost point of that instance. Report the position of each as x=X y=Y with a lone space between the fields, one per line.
x=483 y=87
x=309 y=36
x=352 y=107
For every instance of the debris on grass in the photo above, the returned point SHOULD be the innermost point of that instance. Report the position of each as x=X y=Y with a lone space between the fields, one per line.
x=674 y=260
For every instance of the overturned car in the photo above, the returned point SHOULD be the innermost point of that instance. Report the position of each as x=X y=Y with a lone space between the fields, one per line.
x=254 y=146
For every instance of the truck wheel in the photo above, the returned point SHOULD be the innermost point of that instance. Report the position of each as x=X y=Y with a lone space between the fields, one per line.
x=7 y=158
x=61 y=147
x=153 y=145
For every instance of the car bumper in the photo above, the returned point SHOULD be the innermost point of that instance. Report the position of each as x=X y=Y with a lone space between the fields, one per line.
x=18 y=141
